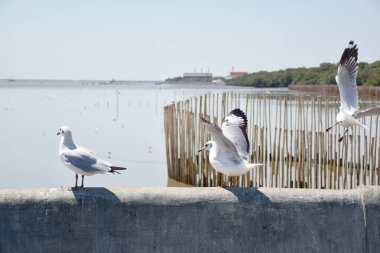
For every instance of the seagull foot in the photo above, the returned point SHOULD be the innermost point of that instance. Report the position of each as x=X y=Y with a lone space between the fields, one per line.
x=340 y=139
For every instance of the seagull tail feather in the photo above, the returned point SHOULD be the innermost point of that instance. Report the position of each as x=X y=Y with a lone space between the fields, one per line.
x=253 y=165
x=361 y=125
x=114 y=169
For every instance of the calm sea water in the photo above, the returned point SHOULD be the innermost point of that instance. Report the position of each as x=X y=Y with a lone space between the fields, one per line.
x=120 y=123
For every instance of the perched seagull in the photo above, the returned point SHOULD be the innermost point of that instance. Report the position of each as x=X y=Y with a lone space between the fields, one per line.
x=348 y=90
x=229 y=150
x=81 y=160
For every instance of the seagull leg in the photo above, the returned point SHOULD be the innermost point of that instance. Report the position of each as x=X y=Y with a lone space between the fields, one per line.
x=341 y=138
x=82 y=181
x=223 y=182
x=76 y=181
x=328 y=129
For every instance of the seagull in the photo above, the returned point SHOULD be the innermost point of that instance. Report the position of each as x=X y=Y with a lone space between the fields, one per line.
x=229 y=149
x=81 y=160
x=349 y=112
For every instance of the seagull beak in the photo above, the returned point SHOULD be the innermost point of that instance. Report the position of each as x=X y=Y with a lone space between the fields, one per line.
x=201 y=149
x=58 y=133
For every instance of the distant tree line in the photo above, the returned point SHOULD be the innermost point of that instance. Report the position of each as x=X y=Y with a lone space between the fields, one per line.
x=192 y=79
x=174 y=79
x=368 y=75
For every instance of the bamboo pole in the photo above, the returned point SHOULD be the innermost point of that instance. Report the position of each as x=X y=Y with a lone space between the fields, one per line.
x=291 y=145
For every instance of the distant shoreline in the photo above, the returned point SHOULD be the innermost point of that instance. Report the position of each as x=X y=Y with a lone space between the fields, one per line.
x=22 y=83
x=320 y=89
x=73 y=83
x=195 y=83
x=365 y=92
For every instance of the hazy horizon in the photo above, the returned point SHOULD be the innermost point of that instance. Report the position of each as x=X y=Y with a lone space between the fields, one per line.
x=153 y=40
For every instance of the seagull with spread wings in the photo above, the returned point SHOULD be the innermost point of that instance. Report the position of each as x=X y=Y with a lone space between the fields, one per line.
x=349 y=112
x=229 y=149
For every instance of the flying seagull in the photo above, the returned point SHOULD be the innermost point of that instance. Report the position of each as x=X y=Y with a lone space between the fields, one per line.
x=229 y=149
x=349 y=112
x=81 y=160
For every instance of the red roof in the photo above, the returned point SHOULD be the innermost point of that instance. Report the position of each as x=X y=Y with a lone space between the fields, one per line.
x=235 y=74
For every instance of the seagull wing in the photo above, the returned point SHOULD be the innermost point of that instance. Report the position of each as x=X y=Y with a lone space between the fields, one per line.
x=88 y=150
x=346 y=78
x=84 y=160
x=234 y=127
x=369 y=112
x=225 y=146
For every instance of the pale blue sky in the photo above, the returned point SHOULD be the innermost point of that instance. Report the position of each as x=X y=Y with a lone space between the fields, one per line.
x=153 y=40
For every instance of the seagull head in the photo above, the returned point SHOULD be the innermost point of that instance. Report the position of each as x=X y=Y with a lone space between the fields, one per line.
x=208 y=146
x=64 y=131
x=67 y=138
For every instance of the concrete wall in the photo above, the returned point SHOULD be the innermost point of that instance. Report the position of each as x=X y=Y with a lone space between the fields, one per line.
x=189 y=220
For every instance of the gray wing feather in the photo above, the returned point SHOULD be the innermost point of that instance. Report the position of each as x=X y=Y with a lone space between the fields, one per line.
x=346 y=78
x=224 y=144
x=234 y=127
x=85 y=161
x=369 y=112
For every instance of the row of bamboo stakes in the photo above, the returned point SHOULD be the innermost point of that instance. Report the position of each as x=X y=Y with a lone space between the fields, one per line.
x=287 y=135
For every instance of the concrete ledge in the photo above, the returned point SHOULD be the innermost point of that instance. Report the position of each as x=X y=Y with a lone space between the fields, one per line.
x=189 y=220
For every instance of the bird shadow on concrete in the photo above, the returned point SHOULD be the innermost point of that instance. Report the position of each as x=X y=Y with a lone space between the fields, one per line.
x=95 y=195
x=249 y=194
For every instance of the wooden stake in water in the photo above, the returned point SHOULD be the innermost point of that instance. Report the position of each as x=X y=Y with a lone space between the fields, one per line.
x=288 y=138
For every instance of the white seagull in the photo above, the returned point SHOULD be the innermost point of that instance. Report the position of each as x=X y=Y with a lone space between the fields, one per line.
x=81 y=160
x=229 y=150
x=349 y=100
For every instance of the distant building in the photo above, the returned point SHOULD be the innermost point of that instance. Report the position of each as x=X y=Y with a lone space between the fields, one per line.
x=208 y=75
x=236 y=74
x=197 y=77
x=218 y=81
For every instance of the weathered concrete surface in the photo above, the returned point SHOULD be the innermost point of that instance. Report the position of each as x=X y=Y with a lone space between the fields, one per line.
x=189 y=220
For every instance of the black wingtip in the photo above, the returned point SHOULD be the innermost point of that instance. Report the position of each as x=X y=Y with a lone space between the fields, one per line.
x=239 y=113
x=350 y=54
x=203 y=120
